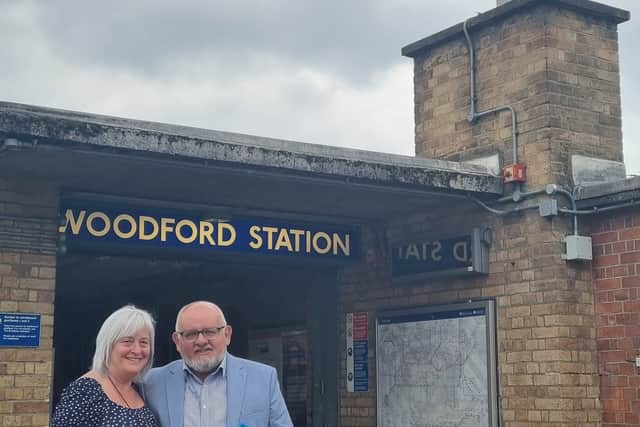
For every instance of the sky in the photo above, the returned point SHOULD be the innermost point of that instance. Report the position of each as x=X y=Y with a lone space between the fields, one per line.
x=327 y=72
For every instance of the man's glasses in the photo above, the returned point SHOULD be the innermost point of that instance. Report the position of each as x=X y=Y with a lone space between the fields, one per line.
x=209 y=333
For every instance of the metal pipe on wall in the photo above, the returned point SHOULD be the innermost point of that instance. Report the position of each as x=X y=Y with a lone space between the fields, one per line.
x=473 y=114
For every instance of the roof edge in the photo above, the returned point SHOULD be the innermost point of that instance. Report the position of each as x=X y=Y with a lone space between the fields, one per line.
x=40 y=125
x=586 y=6
x=75 y=126
x=607 y=193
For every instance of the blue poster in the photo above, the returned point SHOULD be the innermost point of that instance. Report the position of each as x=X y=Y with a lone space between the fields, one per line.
x=360 y=365
x=19 y=330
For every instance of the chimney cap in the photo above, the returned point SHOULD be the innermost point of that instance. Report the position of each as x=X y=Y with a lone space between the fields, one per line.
x=510 y=7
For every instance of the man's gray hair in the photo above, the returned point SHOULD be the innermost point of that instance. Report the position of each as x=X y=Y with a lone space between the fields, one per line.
x=124 y=322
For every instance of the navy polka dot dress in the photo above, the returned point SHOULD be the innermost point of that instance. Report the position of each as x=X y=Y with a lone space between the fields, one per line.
x=83 y=403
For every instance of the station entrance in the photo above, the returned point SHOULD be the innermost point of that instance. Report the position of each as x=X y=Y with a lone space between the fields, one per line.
x=279 y=313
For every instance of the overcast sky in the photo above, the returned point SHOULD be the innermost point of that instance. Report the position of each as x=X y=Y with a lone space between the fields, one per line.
x=327 y=72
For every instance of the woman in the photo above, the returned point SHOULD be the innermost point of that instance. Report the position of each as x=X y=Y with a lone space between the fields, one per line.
x=107 y=395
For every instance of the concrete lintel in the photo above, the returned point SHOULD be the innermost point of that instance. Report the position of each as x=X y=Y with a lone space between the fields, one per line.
x=493 y=163
x=590 y=170
x=514 y=6
x=89 y=131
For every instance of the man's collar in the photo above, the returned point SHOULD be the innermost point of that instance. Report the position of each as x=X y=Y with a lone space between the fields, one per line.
x=222 y=368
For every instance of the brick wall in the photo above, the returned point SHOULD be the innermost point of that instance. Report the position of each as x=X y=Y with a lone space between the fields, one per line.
x=559 y=71
x=27 y=278
x=547 y=360
x=616 y=270
x=583 y=88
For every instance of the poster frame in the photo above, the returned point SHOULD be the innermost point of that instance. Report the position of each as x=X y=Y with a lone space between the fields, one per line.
x=490 y=330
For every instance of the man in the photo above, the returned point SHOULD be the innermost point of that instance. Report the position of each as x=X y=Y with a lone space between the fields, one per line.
x=210 y=387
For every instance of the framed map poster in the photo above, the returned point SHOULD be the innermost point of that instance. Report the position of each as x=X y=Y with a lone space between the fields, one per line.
x=436 y=366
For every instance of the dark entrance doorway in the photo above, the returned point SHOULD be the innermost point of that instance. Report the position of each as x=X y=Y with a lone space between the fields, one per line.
x=280 y=314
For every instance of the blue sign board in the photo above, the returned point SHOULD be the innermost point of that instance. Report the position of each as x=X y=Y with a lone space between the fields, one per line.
x=360 y=365
x=357 y=334
x=467 y=254
x=430 y=256
x=100 y=225
x=19 y=330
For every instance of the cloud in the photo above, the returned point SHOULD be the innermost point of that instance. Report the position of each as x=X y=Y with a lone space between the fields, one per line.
x=327 y=72
x=353 y=38
x=628 y=35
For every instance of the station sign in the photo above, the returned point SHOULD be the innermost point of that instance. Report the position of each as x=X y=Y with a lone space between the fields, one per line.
x=87 y=224
x=466 y=254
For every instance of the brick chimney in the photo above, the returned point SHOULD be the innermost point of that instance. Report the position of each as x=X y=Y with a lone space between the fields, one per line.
x=553 y=65
x=554 y=62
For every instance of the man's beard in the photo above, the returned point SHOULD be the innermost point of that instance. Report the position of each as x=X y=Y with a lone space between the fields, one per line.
x=204 y=365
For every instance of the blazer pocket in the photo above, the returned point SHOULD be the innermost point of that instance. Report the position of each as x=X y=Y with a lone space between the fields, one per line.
x=254 y=418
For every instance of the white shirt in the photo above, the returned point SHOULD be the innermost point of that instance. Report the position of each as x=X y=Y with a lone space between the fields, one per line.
x=205 y=402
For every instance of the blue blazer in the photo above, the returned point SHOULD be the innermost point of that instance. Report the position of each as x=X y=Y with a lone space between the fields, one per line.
x=254 y=398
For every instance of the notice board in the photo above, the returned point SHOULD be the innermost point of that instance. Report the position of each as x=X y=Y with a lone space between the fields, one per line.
x=20 y=329
x=436 y=366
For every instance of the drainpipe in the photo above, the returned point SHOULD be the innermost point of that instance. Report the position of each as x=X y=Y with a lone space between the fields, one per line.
x=474 y=115
x=549 y=189
x=597 y=209
x=554 y=188
x=472 y=74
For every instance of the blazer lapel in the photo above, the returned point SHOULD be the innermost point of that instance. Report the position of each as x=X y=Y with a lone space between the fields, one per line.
x=236 y=379
x=175 y=395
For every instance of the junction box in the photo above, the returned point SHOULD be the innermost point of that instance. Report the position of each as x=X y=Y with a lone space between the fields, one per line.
x=578 y=248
